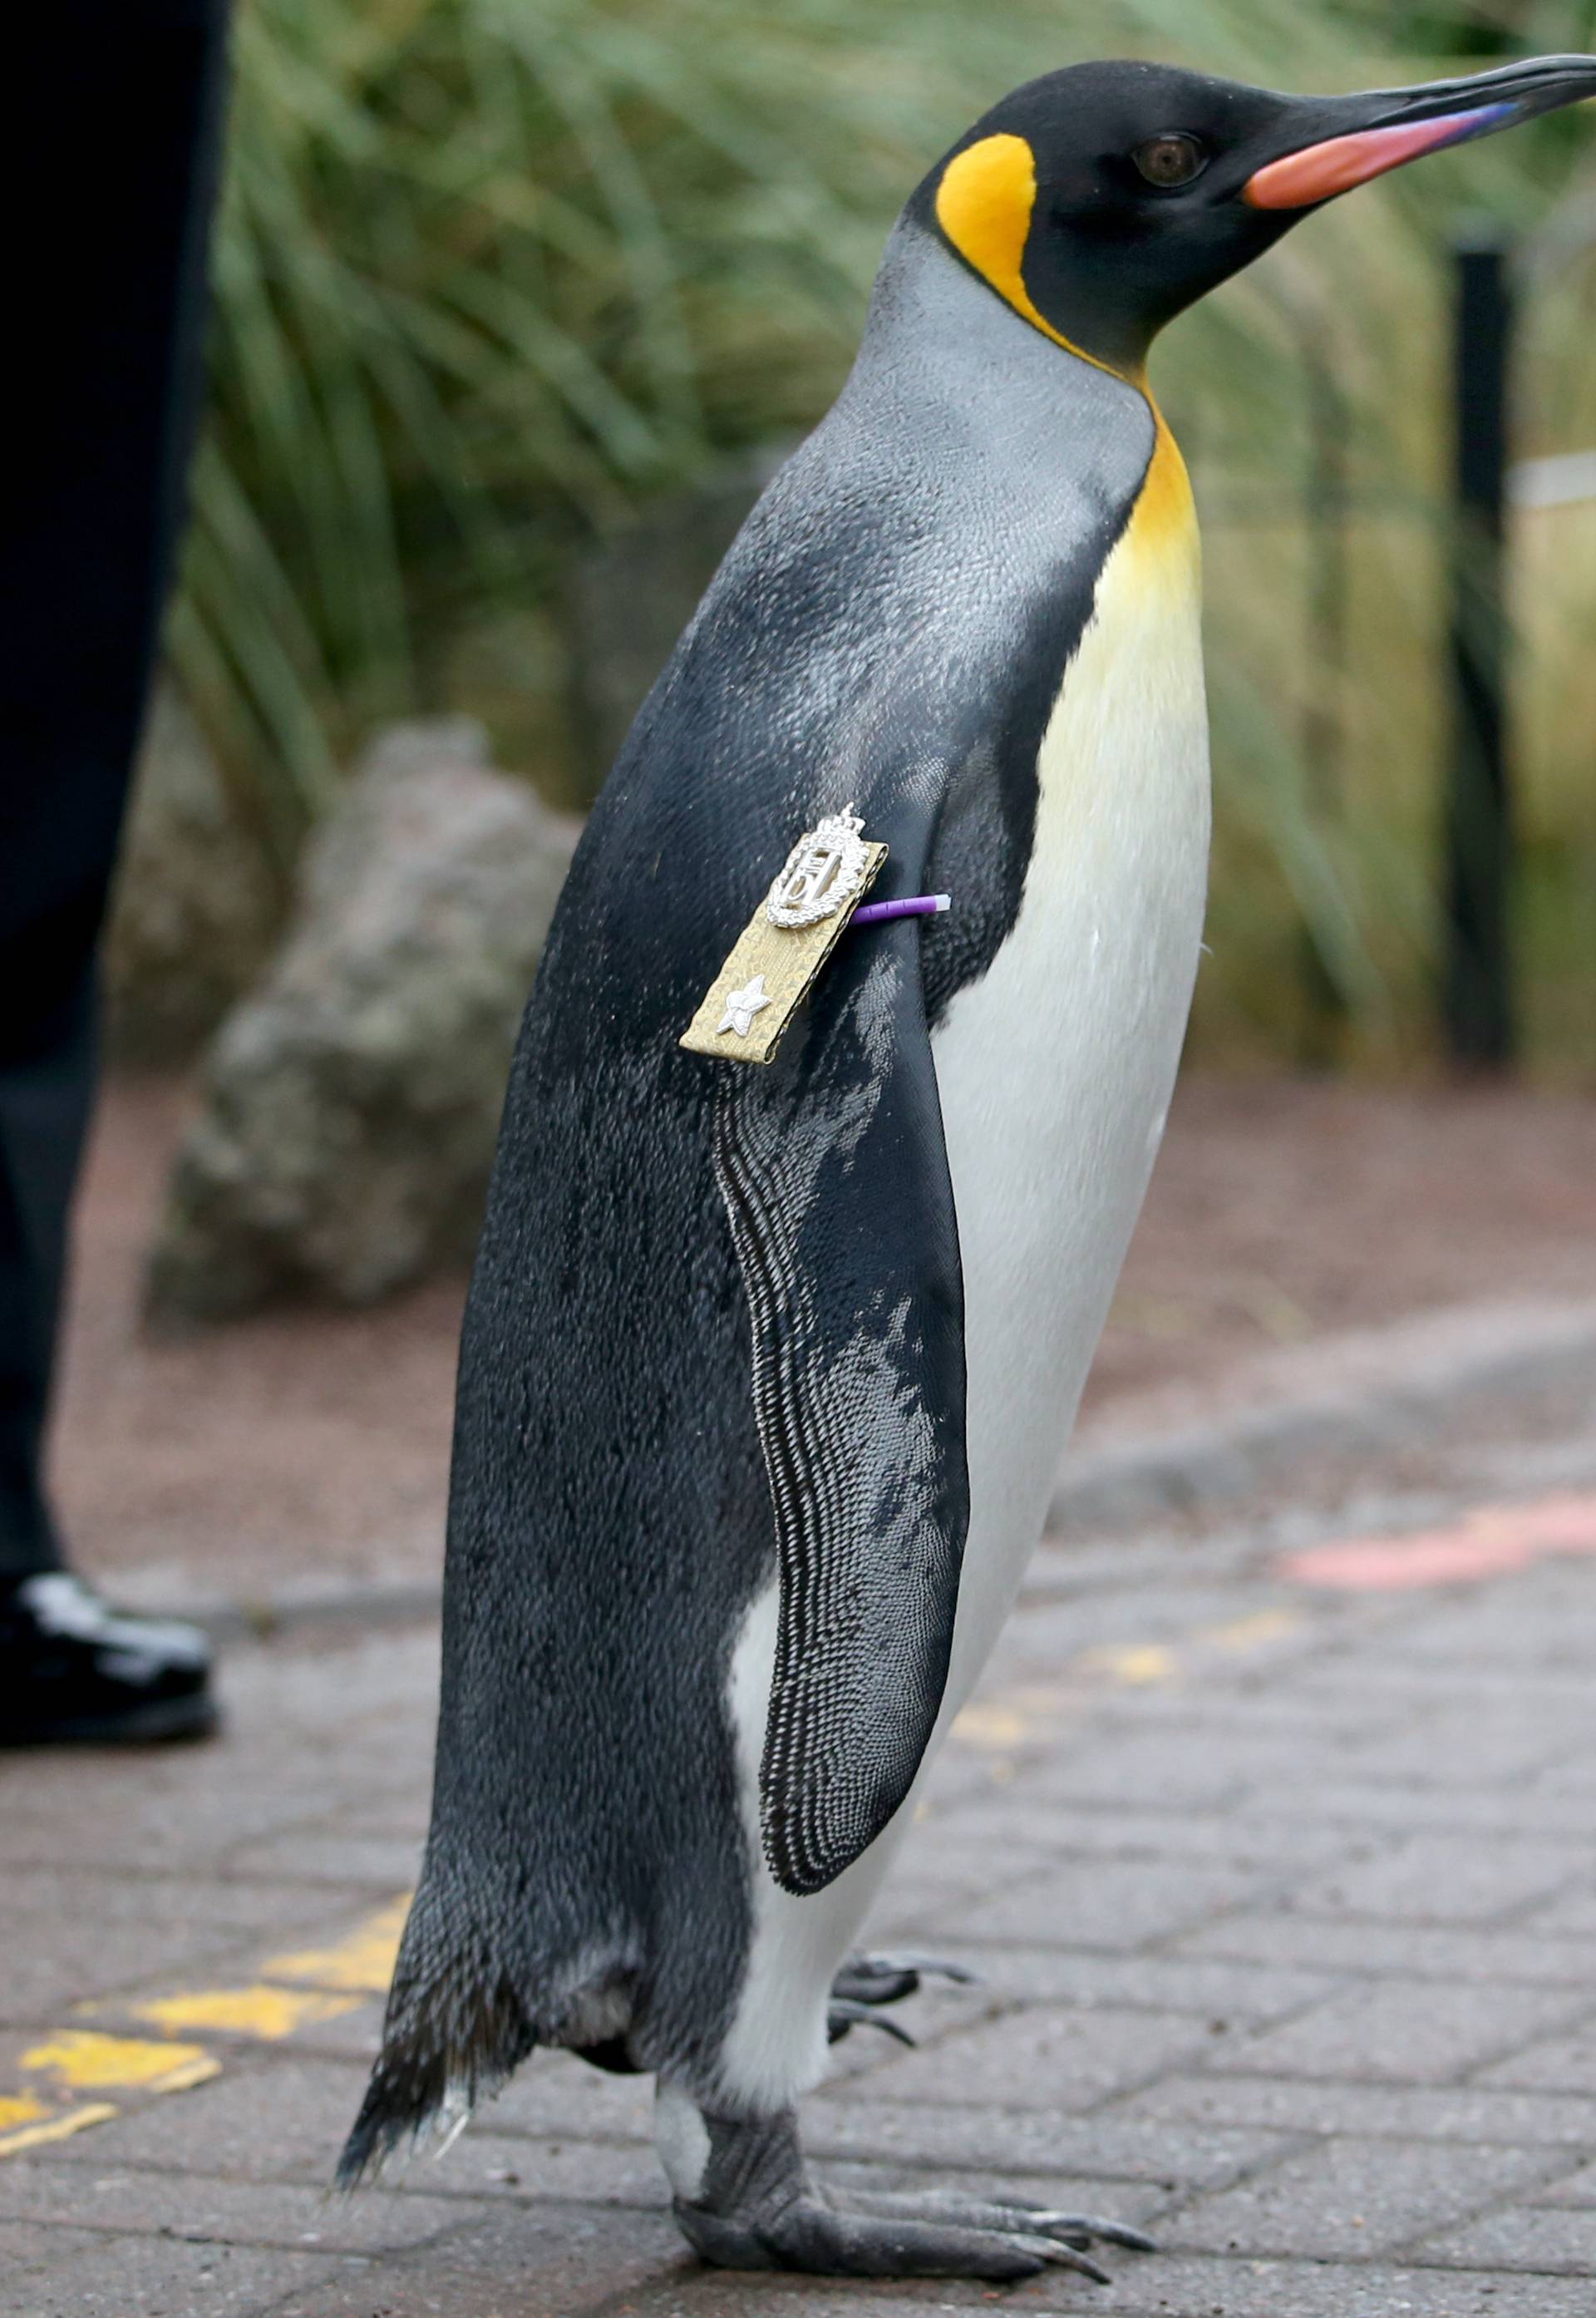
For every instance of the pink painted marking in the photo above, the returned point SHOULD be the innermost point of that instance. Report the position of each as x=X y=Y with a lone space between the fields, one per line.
x=1486 y=1543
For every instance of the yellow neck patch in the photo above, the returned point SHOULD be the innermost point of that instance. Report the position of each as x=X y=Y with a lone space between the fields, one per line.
x=983 y=205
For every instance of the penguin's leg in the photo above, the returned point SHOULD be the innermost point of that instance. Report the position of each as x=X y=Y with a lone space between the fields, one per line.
x=727 y=2131
x=744 y=2199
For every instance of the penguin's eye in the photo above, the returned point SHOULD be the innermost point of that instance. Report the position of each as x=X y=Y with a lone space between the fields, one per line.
x=1172 y=159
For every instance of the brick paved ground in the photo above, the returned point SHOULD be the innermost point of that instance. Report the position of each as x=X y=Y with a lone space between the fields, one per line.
x=1285 y=1900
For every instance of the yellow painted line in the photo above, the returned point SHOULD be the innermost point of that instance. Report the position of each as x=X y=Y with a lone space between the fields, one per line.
x=88 y=2061
x=1136 y=1664
x=333 y=1981
x=1027 y=1712
x=988 y=1724
x=57 y=2128
x=363 y=1961
x=999 y=1725
x=260 y=2011
x=1253 y=1632
x=182 y=2079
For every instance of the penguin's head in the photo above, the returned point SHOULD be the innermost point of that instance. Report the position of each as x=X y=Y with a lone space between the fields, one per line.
x=1100 y=201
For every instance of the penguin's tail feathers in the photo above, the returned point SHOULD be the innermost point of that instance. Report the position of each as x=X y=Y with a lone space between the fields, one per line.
x=437 y=2061
x=460 y=2021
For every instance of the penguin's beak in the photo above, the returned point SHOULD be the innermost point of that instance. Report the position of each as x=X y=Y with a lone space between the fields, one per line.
x=1388 y=127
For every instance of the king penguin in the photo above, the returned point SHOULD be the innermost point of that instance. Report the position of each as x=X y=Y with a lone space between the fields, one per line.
x=766 y=1372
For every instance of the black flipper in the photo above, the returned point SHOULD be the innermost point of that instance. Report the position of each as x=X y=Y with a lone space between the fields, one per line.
x=833 y=1169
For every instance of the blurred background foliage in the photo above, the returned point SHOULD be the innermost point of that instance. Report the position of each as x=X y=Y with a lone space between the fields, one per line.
x=494 y=276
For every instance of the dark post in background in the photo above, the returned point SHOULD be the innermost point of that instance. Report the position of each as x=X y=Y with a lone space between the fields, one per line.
x=1477 y=998
x=1327 y=509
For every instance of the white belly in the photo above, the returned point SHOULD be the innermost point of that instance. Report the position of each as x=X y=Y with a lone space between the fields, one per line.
x=1056 y=1069
x=1055 y=1072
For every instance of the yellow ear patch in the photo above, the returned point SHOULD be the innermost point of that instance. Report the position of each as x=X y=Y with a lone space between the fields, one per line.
x=983 y=205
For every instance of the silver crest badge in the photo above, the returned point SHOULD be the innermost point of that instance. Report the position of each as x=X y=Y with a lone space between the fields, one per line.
x=795 y=926
x=824 y=872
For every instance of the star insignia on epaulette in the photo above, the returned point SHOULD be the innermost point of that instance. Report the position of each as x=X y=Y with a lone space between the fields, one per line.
x=743 y=1005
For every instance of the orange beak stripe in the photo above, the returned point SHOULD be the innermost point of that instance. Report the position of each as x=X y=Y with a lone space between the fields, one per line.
x=1321 y=170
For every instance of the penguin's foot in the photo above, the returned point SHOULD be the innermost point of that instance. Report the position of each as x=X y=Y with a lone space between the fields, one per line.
x=868 y=1981
x=883 y=1979
x=842 y=2014
x=755 y=2207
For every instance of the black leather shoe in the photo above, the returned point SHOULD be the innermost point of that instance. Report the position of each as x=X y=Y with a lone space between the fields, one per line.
x=73 y=1670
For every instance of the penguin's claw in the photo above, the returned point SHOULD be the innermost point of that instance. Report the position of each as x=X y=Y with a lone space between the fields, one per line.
x=1063 y=2256
x=1010 y=2216
x=911 y=1960
x=844 y=2013
x=1085 y=2229
x=884 y=1979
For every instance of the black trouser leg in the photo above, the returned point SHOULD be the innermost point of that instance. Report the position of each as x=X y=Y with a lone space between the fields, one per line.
x=109 y=159
x=44 y=1104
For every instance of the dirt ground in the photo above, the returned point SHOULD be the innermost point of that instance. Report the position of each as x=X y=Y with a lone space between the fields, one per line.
x=311 y=1444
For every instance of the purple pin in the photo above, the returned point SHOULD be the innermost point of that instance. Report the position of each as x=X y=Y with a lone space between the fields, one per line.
x=917 y=905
